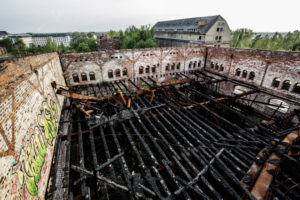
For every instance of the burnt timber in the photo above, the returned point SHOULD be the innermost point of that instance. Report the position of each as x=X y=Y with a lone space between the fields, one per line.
x=174 y=140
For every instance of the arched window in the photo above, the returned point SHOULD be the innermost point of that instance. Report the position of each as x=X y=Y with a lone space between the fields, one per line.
x=178 y=66
x=167 y=67
x=276 y=82
x=75 y=78
x=125 y=72
x=141 y=70
x=195 y=63
x=221 y=67
x=153 y=69
x=83 y=76
x=148 y=69
x=173 y=66
x=190 y=65
x=274 y=103
x=245 y=73
x=199 y=63
x=212 y=65
x=238 y=72
x=251 y=75
x=296 y=88
x=286 y=85
x=110 y=74
x=118 y=72
x=92 y=76
x=217 y=66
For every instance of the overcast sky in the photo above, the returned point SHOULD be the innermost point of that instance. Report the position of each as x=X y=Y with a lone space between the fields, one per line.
x=19 y=16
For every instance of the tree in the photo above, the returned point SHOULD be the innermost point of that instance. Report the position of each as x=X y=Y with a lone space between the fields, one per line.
x=137 y=38
x=20 y=47
x=8 y=44
x=83 y=47
x=92 y=44
x=77 y=38
x=50 y=46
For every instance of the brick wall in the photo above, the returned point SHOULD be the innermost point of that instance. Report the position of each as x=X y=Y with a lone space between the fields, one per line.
x=29 y=117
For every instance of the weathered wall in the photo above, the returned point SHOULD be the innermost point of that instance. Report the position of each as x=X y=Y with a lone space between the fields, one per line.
x=101 y=63
x=264 y=65
x=29 y=117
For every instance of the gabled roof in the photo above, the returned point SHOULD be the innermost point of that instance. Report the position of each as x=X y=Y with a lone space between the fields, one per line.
x=190 y=23
x=3 y=33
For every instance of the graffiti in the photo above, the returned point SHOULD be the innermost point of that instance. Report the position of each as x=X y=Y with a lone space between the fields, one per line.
x=48 y=118
x=32 y=157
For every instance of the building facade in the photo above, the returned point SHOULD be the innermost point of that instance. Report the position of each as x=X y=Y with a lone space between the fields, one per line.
x=209 y=31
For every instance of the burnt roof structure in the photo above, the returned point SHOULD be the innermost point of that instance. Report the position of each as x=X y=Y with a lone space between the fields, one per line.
x=192 y=125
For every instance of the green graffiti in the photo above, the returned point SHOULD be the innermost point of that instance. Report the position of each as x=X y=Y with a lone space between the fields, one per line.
x=31 y=161
x=29 y=169
x=48 y=118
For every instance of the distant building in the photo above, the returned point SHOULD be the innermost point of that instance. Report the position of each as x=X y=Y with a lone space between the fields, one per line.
x=109 y=44
x=40 y=39
x=3 y=34
x=208 y=31
x=27 y=38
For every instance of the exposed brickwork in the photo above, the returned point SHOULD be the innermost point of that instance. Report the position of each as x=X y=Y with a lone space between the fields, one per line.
x=27 y=130
x=263 y=66
x=109 y=44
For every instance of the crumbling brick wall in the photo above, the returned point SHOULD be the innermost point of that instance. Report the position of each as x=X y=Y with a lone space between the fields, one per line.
x=30 y=112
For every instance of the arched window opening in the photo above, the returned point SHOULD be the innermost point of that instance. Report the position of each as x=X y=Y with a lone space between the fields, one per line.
x=110 y=73
x=195 y=63
x=173 y=66
x=190 y=65
x=221 y=67
x=245 y=73
x=251 y=75
x=153 y=69
x=238 y=72
x=141 y=70
x=276 y=82
x=275 y=103
x=212 y=65
x=199 y=63
x=217 y=67
x=286 y=85
x=83 y=76
x=124 y=72
x=148 y=69
x=118 y=72
x=92 y=76
x=296 y=88
x=75 y=78
x=167 y=67
x=178 y=66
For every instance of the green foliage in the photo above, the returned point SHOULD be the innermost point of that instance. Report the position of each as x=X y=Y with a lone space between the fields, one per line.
x=112 y=34
x=50 y=46
x=82 y=42
x=137 y=38
x=8 y=44
x=83 y=47
x=244 y=38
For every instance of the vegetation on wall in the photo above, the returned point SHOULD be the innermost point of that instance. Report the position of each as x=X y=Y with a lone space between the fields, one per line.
x=246 y=38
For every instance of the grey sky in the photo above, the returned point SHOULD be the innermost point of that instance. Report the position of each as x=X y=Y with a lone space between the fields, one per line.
x=18 y=16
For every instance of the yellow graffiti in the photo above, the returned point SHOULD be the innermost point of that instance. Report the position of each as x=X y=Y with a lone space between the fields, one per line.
x=31 y=161
x=29 y=169
x=48 y=118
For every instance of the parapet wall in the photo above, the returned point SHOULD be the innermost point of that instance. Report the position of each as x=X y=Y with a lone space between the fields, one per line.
x=30 y=111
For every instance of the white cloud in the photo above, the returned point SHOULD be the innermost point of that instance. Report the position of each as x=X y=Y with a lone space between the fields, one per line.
x=97 y=15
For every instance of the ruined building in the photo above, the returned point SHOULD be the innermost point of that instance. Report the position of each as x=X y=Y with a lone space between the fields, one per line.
x=209 y=31
x=160 y=123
